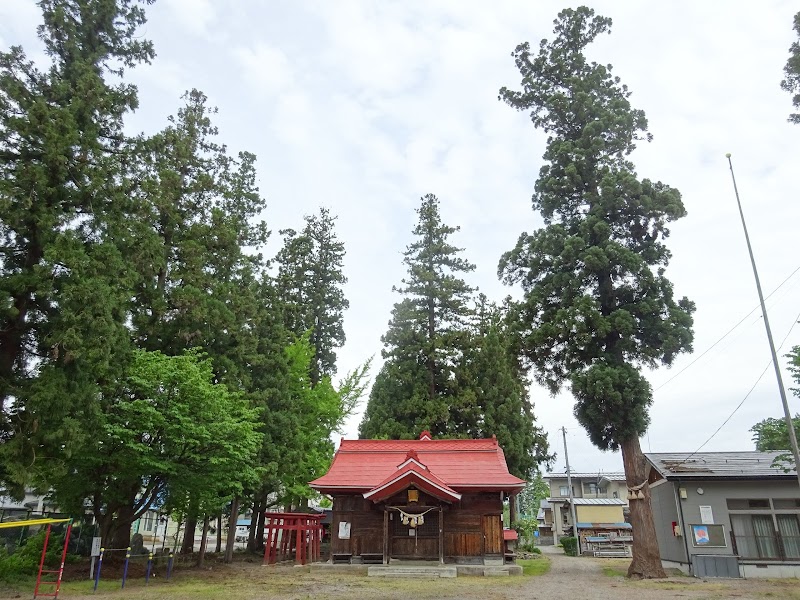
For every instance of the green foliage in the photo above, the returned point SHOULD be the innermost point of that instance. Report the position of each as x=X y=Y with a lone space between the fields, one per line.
x=792 y=71
x=62 y=275
x=24 y=560
x=526 y=526
x=168 y=430
x=414 y=389
x=309 y=283
x=491 y=397
x=529 y=498
x=450 y=369
x=772 y=433
x=570 y=545
x=596 y=304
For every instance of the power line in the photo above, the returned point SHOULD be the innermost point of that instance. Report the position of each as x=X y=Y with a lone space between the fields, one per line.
x=727 y=333
x=738 y=406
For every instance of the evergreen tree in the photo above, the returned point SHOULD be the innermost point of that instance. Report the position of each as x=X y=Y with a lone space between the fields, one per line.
x=62 y=189
x=310 y=282
x=492 y=398
x=413 y=390
x=596 y=303
x=792 y=70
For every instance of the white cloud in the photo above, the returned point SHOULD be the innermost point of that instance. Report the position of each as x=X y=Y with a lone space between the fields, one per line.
x=364 y=107
x=195 y=16
x=266 y=68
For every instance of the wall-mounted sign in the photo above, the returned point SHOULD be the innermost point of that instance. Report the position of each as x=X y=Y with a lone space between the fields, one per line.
x=706 y=515
x=344 y=530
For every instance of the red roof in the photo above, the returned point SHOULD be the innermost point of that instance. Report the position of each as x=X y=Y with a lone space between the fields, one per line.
x=416 y=474
x=361 y=465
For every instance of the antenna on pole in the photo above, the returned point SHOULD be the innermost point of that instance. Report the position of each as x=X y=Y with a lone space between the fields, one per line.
x=787 y=413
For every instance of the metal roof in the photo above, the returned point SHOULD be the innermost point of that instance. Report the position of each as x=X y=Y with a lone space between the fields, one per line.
x=592 y=501
x=717 y=465
x=610 y=476
x=360 y=465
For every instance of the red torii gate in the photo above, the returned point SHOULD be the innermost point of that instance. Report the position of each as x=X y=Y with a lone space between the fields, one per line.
x=305 y=543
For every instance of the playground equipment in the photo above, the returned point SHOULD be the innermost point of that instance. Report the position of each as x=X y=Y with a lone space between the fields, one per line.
x=127 y=551
x=293 y=533
x=42 y=571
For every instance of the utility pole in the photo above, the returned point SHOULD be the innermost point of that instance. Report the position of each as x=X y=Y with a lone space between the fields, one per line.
x=787 y=413
x=571 y=495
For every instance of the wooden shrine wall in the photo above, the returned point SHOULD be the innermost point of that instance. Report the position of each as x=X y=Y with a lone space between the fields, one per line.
x=465 y=525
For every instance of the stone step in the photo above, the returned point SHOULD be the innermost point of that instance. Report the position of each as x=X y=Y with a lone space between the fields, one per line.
x=410 y=571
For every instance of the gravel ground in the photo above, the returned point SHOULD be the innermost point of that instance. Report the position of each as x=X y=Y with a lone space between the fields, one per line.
x=569 y=578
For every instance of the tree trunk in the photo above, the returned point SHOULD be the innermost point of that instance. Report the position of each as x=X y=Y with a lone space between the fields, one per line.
x=260 y=526
x=232 y=530
x=203 y=540
x=219 y=533
x=251 y=532
x=187 y=547
x=120 y=528
x=646 y=563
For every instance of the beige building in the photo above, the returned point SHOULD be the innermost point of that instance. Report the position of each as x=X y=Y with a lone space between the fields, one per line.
x=601 y=507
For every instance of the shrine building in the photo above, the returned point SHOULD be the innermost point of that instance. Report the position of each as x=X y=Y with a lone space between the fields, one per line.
x=425 y=499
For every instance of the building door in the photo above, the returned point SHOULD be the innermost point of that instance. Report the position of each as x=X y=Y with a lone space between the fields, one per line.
x=419 y=543
x=492 y=526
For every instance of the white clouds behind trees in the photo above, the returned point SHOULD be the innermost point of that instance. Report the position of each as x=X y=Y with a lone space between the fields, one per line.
x=364 y=107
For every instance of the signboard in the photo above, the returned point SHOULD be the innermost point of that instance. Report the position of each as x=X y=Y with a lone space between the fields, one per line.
x=706 y=515
x=344 y=530
x=705 y=536
x=95 y=546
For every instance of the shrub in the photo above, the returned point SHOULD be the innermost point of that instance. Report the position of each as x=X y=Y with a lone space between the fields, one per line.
x=25 y=559
x=570 y=545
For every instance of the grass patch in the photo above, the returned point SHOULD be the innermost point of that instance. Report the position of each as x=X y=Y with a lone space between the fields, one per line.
x=609 y=571
x=534 y=566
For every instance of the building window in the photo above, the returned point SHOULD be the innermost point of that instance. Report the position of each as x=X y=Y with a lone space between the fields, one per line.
x=149 y=519
x=593 y=488
x=772 y=533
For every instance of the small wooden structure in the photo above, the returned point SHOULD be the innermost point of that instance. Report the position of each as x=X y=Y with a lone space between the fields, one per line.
x=425 y=499
x=297 y=535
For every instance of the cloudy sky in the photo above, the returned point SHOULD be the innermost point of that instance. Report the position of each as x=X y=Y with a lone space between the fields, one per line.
x=364 y=106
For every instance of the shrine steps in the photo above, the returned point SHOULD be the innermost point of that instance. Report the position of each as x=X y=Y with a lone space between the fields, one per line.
x=412 y=571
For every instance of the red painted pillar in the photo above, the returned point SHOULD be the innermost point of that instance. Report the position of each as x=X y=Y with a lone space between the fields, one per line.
x=298 y=543
x=268 y=545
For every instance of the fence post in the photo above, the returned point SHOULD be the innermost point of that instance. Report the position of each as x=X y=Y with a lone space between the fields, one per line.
x=99 y=566
x=149 y=568
x=125 y=568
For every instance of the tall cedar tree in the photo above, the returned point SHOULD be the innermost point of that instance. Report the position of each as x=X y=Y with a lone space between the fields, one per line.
x=62 y=155
x=596 y=303
x=197 y=288
x=792 y=70
x=491 y=396
x=413 y=390
x=310 y=281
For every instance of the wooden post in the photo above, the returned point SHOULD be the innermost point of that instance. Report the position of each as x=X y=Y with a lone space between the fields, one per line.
x=268 y=549
x=298 y=543
x=385 y=536
x=441 y=534
x=512 y=510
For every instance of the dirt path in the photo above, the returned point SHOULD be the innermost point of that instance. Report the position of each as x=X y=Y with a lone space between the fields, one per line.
x=569 y=578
